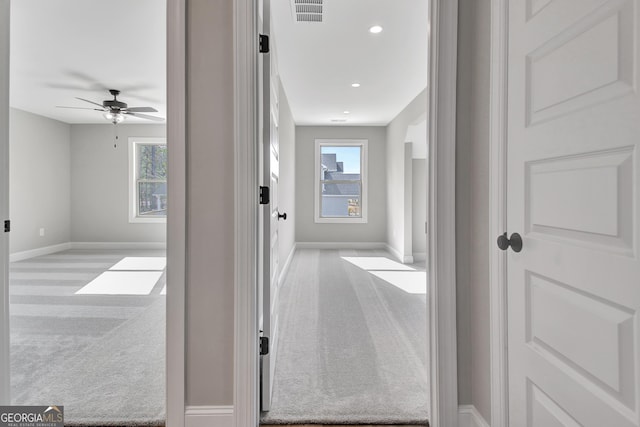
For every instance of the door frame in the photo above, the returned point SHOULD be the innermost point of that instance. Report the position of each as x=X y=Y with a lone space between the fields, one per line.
x=5 y=369
x=176 y=213
x=176 y=224
x=442 y=353
x=498 y=326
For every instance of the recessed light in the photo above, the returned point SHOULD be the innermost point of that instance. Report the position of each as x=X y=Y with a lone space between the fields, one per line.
x=375 y=29
x=355 y=84
x=346 y=112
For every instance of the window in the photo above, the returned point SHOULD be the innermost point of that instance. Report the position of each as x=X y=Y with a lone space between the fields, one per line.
x=341 y=181
x=147 y=180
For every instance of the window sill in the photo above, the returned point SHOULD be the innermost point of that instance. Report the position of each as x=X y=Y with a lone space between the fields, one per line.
x=139 y=220
x=341 y=220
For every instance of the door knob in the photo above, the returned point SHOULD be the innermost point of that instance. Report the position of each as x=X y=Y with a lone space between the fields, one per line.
x=283 y=216
x=515 y=242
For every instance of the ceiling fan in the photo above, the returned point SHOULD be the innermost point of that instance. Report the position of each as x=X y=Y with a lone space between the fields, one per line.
x=116 y=111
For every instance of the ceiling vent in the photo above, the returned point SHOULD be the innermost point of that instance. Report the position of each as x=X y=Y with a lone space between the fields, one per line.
x=307 y=10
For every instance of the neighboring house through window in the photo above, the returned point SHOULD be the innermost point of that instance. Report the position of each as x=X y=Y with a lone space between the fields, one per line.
x=341 y=181
x=147 y=180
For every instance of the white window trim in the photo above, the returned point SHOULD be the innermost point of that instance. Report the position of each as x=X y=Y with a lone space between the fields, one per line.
x=364 y=179
x=133 y=212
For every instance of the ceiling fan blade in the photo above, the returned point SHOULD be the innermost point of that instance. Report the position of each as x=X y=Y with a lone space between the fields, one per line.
x=80 y=108
x=144 y=116
x=90 y=102
x=142 y=110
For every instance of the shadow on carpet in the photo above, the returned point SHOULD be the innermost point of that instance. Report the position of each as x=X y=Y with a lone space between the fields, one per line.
x=117 y=381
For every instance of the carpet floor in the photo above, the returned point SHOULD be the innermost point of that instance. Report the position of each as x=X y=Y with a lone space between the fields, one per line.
x=352 y=341
x=99 y=354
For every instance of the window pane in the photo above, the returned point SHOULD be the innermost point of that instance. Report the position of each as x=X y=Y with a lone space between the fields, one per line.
x=341 y=200
x=152 y=161
x=152 y=198
x=340 y=163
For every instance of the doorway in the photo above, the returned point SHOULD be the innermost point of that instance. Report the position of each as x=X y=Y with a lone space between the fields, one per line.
x=107 y=265
x=441 y=217
x=345 y=215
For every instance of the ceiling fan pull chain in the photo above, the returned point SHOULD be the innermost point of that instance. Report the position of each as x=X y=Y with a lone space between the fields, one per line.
x=115 y=134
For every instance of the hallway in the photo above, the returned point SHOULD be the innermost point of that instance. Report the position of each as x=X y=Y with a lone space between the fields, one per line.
x=352 y=346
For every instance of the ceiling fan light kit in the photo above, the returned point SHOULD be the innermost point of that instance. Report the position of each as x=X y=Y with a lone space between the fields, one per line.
x=114 y=118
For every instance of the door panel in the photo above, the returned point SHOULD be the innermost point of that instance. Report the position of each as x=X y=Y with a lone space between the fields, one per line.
x=595 y=218
x=573 y=193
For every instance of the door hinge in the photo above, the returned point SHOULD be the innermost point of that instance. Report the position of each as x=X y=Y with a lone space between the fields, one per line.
x=7 y=225
x=264 y=43
x=264 y=195
x=264 y=346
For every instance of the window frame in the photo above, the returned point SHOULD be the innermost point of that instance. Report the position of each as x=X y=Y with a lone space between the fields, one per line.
x=364 y=178
x=134 y=217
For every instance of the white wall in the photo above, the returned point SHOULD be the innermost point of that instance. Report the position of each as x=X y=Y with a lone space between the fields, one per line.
x=397 y=238
x=472 y=205
x=417 y=135
x=419 y=206
x=287 y=188
x=306 y=228
x=100 y=184
x=40 y=181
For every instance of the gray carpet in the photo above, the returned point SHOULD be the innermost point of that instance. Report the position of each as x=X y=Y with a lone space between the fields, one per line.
x=352 y=347
x=101 y=356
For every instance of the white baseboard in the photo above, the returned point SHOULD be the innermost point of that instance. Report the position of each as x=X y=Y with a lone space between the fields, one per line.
x=46 y=250
x=340 y=245
x=419 y=256
x=209 y=416
x=405 y=259
x=468 y=416
x=287 y=264
x=118 y=245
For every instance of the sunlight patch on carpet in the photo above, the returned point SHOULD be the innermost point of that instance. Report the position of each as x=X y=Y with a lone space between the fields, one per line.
x=138 y=263
x=377 y=263
x=122 y=283
x=412 y=282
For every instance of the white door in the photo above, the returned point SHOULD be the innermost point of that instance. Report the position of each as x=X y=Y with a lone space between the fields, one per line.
x=4 y=201
x=574 y=196
x=270 y=216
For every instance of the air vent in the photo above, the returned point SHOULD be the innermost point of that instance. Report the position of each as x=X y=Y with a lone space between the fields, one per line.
x=307 y=10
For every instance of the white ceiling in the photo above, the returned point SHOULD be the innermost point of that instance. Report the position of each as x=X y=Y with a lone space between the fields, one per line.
x=62 y=49
x=319 y=61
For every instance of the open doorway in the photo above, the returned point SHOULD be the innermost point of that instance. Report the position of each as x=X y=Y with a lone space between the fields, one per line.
x=88 y=209
x=346 y=143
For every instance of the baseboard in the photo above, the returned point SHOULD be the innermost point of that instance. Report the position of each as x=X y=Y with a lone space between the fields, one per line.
x=419 y=256
x=468 y=416
x=340 y=245
x=287 y=264
x=209 y=416
x=47 y=250
x=405 y=259
x=118 y=245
